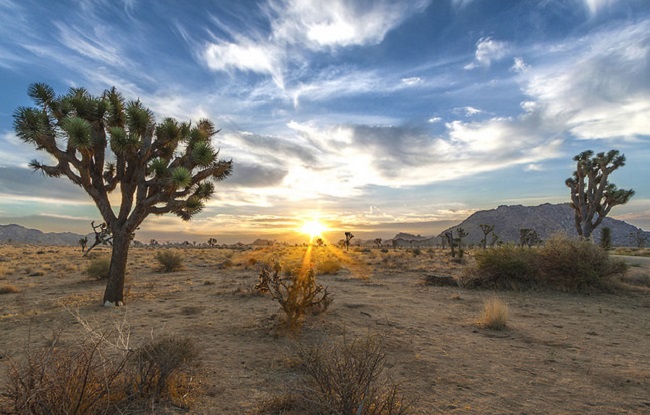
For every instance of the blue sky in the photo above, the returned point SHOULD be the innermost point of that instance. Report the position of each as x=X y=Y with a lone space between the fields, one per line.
x=375 y=116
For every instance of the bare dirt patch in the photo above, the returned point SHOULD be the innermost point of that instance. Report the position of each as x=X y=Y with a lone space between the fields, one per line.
x=559 y=354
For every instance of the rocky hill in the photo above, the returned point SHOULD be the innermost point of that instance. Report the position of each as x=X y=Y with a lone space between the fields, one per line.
x=19 y=234
x=545 y=219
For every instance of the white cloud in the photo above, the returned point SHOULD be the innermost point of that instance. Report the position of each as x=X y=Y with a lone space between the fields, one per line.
x=299 y=26
x=434 y=120
x=598 y=87
x=246 y=56
x=469 y=111
x=519 y=65
x=595 y=6
x=487 y=51
x=412 y=81
x=338 y=23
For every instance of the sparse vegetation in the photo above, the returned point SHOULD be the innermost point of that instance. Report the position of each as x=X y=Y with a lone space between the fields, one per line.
x=348 y=378
x=297 y=296
x=95 y=376
x=329 y=267
x=170 y=261
x=9 y=289
x=98 y=268
x=495 y=314
x=562 y=263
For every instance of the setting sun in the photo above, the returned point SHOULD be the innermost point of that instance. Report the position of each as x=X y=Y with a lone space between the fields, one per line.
x=313 y=228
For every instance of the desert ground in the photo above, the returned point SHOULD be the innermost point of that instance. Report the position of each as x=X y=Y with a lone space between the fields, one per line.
x=560 y=353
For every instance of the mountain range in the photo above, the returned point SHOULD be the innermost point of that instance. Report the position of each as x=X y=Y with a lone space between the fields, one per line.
x=19 y=234
x=545 y=219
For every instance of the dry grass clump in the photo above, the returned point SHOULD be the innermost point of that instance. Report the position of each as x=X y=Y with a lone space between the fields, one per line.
x=329 y=267
x=96 y=377
x=297 y=295
x=562 y=264
x=348 y=378
x=495 y=314
x=9 y=289
x=98 y=268
x=170 y=261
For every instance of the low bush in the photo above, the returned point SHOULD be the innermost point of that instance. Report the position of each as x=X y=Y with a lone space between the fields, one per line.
x=98 y=268
x=506 y=266
x=573 y=265
x=348 y=378
x=170 y=261
x=297 y=295
x=96 y=377
x=562 y=264
x=329 y=267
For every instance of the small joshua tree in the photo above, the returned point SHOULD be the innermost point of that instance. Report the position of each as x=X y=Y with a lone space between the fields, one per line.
x=528 y=237
x=83 y=242
x=378 y=242
x=461 y=234
x=104 y=143
x=639 y=238
x=486 y=229
x=348 y=237
x=449 y=235
x=212 y=242
x=592 y=195
x=606 y=238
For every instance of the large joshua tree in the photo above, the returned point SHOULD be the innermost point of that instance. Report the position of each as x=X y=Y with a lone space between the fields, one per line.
x=105 y=144
x=592 y=195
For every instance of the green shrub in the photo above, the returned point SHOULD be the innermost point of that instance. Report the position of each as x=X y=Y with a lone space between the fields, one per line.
x=98 y=268
x=170 y=261
x=573 y=265
x=506 y=266
x=562 y=264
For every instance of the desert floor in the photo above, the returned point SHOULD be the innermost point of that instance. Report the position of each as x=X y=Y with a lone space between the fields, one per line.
x=560 y=354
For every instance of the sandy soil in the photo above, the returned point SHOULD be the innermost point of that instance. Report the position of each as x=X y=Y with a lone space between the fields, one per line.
x=561 y=353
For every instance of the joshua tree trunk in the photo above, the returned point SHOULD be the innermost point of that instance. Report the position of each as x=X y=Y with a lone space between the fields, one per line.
x=114 y=294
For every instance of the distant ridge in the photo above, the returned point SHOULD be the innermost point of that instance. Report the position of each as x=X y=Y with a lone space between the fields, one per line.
x=545 y=219
x=19 y=234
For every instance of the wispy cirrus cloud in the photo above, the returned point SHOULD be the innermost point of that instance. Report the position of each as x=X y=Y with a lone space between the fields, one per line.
x=299 y=27
x=598 y=86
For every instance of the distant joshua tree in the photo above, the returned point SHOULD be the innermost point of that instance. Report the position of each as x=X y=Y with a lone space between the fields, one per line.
x=606 y=238
x=528 y=237
x=212 y=242
x=83 y=242
x=319 y=242
x=105 y=143
x=486 y=229
x=592 y=200
x=153 y=242
x=378 y=242
x=449 y=235
x=639 y=238
x=348 y=237
x=461 y=234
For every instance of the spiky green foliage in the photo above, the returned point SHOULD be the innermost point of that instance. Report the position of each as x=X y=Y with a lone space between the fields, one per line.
x=592 y=196
x=105 y=143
